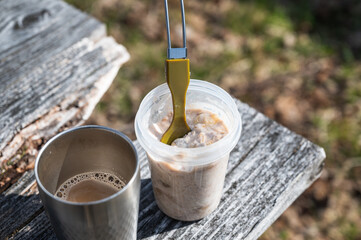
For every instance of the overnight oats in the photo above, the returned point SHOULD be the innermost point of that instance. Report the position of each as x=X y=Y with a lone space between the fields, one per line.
x=206 y=128
x=188 y=175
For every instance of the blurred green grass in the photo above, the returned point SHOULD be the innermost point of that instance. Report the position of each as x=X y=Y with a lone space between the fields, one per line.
x=296 y=61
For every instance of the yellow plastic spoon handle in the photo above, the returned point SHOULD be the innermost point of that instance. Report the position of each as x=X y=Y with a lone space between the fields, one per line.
x=177 y=74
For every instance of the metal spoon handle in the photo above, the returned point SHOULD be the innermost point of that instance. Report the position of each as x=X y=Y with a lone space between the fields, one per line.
x=173 y=53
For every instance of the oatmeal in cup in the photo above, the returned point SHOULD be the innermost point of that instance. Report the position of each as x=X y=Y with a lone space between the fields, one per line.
x=188 y=175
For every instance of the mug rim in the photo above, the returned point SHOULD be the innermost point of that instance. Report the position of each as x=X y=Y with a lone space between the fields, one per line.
x=99 y=127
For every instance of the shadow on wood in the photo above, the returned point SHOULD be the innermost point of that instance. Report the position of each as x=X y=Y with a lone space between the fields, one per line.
x=25 y=216
x=152 y=221
x=21 y=215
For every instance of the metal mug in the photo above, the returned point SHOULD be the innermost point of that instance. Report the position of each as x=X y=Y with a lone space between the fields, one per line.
x=89 y=149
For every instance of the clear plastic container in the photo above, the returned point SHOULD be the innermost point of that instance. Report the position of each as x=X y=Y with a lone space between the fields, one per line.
x=188 y=182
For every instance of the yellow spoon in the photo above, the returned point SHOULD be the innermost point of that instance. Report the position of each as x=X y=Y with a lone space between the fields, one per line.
x=178 y=81
x=177 y=75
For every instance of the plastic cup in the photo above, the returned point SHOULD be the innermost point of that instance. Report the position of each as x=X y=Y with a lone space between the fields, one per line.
x=188 y=182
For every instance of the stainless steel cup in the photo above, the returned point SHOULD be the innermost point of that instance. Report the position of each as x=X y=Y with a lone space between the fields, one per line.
x=89 y=149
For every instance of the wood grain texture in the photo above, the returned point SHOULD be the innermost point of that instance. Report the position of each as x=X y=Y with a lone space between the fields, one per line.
x=268 y=169
x=19 y=204
x=55 y=64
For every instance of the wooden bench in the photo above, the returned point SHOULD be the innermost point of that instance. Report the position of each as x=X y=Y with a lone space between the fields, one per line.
x=56 y=63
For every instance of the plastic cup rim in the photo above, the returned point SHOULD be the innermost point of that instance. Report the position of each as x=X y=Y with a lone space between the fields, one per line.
x=224 y=145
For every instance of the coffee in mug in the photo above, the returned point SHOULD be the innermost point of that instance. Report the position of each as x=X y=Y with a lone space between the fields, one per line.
x=90 y=186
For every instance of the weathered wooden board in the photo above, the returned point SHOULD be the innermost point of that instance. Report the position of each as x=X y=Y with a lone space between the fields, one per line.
x=268 y=169
x=19 y=204
x=55 y=64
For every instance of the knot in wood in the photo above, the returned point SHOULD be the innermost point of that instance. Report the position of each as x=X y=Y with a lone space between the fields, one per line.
x=32 y=18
